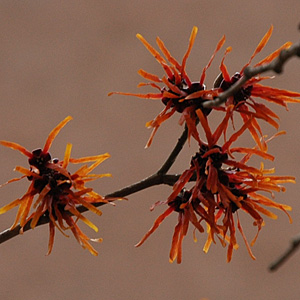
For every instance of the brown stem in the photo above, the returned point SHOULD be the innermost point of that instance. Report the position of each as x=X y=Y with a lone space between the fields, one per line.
x=294 y=245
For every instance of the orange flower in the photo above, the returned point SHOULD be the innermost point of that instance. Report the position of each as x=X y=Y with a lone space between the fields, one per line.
x=58 y=192
x=179 y=92
x=237 y=186
x=220 y=191
x=243 y=100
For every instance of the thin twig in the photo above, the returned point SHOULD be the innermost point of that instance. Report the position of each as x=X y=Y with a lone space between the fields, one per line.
x=172 y=157
x=155 y=179
x=276 y=66
x=294 y=245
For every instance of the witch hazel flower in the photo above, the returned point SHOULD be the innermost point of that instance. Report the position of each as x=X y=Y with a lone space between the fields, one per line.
x=244 y=100
x=178 y=90
x=55 y=192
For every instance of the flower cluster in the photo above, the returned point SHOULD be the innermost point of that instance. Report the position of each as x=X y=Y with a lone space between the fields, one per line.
x=222 y=187
x=55 y=193
x=179 y=94
x=243 y=100
x=216 y=186
x=223 y=184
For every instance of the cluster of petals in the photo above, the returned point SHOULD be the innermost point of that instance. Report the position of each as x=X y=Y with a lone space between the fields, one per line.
x=180 y=94
x=56 y=193
x=223 y=185
x=244 y=99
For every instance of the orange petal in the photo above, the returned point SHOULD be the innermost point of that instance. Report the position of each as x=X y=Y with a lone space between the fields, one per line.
x=191 y=43
x=208 y=242
x=243 y=167
x=180 y=183
x=223 y=68
x=260 y=46
x=212 y=179
x=156 y=224
x=160 y=118
x=75 y=212
x=235 y=136
x=25 y=172
x=223 y=125
x=219 y=46
x=273 y=55
x=253 y=151
x=171 y=86
x=167 y=54
x=67 y=155
x=204 y=123
x=16 y=146
x=9 y=206
x=176 y=241
x=51 y=238
x=54 y=133
x=264 y=211
x=146 y=84
x=149 y=76
x=245 y=240
x=146 y=96
x=100 y=157
x=154 y=52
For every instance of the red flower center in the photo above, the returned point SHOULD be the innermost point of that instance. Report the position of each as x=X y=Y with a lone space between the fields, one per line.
x=187 y=90
x=241 y=95
x=41 y=164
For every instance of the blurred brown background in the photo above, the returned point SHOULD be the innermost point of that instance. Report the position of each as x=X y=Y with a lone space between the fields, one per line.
x=60 y=58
